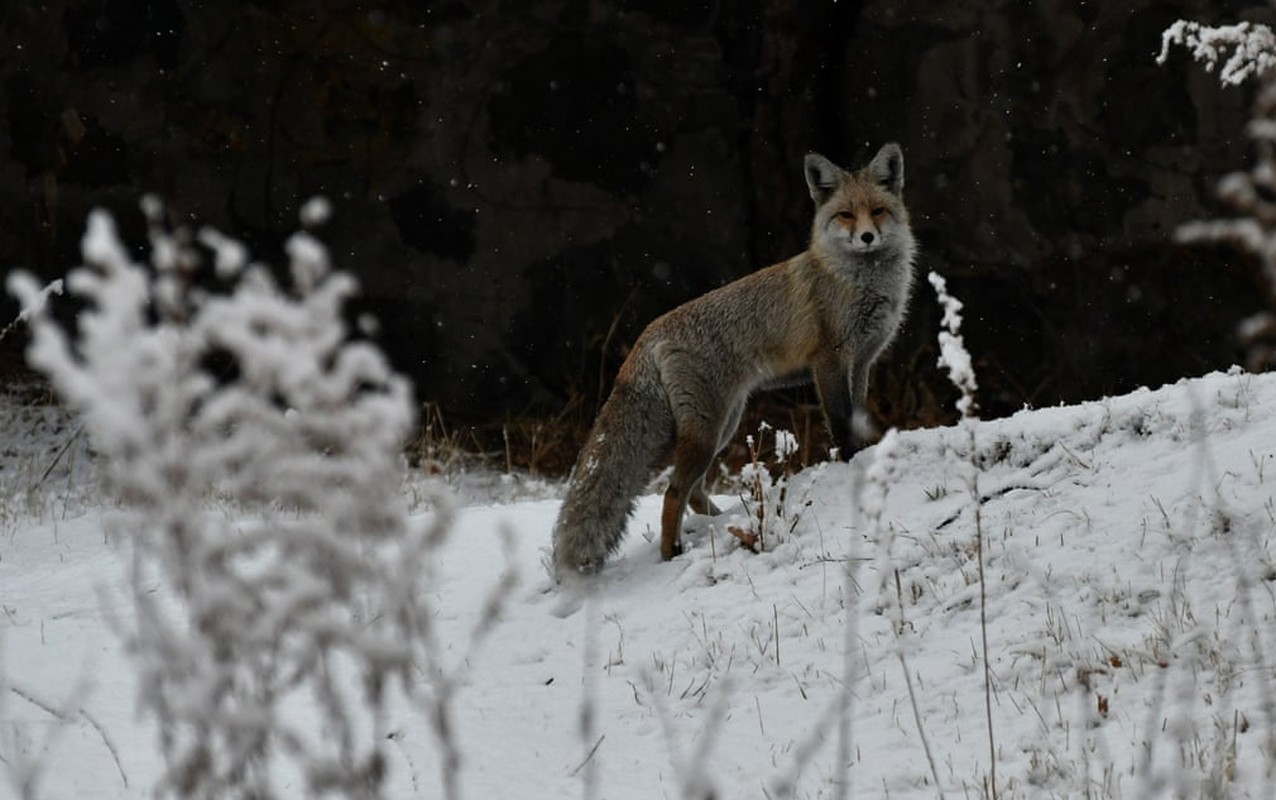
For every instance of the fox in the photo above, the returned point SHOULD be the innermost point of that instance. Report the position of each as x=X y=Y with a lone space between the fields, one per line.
x=822 y=316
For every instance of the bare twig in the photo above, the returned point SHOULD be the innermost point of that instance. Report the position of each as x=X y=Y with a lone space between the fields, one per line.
x=850 y=635
x=602 y=353
x=58 y=455
x=956 y=359
x=45 y=707
x=589 y=758
x=589 y=699
x=983 y=615
x=106 y=740
x=912 y=696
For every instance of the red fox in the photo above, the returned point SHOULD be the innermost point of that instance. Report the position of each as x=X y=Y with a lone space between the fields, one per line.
x=823 y=315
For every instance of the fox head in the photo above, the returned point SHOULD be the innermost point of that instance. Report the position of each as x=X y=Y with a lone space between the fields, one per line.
x=861 y=212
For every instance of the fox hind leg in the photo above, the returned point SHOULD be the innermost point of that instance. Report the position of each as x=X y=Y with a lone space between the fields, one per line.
x=700 y=410
x=699 y=499
x=692 y=457
x=700 y=502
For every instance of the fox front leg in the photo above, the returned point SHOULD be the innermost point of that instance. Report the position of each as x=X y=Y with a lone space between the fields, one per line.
x=833 y=381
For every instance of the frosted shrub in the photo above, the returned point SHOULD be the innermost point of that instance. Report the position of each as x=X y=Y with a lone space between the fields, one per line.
x=955 y=358
x=953 y=355
x=1245 y=50
x=765 y=492
x=271 y=636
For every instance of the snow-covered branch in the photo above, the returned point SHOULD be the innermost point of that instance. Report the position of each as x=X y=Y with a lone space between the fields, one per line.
x=1245 y=49
x=953 y=355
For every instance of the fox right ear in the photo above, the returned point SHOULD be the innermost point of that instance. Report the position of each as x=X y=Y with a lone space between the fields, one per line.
x=822 y=177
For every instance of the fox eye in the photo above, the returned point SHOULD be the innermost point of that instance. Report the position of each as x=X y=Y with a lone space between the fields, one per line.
x=845 y=215
x=879 y=211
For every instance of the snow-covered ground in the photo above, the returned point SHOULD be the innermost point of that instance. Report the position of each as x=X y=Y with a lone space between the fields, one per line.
x=1130 y=601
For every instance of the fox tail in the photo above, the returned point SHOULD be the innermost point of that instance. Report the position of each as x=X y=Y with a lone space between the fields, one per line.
x=633 y=434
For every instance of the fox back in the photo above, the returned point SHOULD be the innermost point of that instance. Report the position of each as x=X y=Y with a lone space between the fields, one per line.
x=823 y=316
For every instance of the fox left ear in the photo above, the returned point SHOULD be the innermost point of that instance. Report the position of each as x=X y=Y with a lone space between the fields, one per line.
x=887 y=167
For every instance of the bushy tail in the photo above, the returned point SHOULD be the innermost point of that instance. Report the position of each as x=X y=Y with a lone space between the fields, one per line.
x=632 y=435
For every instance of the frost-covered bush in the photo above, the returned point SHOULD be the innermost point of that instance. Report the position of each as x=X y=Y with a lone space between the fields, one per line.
x=254 y=453
x=764 y=492
x=1245 y=50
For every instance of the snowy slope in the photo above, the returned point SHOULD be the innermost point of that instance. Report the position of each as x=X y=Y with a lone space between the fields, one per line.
x=1131 y=628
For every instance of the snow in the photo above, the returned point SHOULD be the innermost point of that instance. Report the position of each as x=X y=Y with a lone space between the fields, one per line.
x=1131 y=612
x=1252 y=47
x=953 y=355
x=315 y=211
x=230 y=255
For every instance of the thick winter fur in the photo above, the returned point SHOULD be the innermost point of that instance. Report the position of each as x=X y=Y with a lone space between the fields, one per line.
x=823 y=315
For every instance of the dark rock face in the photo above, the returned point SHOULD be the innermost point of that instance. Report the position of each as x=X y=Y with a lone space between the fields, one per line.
x=520 y=187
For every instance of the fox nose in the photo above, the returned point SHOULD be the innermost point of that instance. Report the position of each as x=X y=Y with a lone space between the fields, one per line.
x=866 y=237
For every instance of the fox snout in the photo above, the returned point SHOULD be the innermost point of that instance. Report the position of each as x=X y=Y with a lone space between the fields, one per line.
x=861 y=229
x=867 y=238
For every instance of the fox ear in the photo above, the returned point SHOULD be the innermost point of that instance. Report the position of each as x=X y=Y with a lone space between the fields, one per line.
x=822 y=177
x=887 y=168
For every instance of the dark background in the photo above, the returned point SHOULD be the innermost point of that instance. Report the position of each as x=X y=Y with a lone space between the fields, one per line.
x=522 y=185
